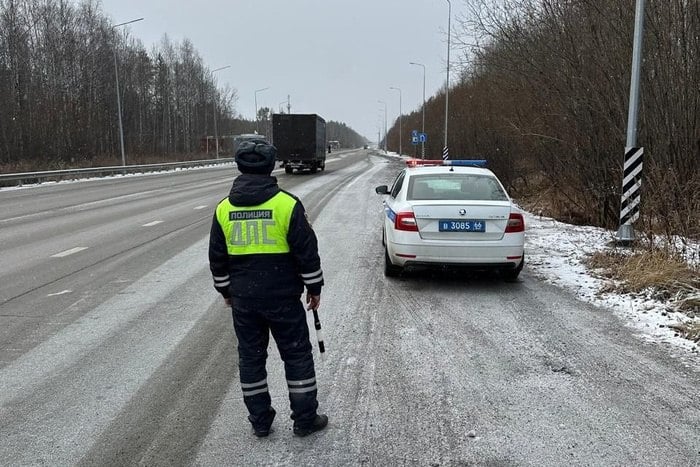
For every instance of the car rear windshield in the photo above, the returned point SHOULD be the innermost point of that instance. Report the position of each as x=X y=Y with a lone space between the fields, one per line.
x=455 y=186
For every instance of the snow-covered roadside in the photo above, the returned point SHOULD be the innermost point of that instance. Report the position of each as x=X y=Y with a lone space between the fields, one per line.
x=555 y=251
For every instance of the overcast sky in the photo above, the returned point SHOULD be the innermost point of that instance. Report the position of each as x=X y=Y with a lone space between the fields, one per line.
x=336 y=58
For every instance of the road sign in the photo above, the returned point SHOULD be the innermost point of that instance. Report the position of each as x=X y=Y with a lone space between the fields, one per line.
x=422 y=137
x=414 y=133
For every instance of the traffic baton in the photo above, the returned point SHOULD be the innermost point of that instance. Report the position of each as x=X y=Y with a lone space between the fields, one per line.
x=319 y=335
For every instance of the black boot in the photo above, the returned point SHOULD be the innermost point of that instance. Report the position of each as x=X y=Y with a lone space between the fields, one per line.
x=318 y=424
x=263 y=426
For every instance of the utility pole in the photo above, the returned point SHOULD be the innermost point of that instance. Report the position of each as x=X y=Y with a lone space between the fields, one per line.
x=445 y=150
x=119 y=100
x=422 y=144
x=385 y=135
x=400 y=117
x=257 y=129
x=632 y=169
x=216 y=111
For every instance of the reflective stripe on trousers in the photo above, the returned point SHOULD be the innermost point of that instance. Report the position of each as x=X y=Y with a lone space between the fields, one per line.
x=251 y=389
x=253 y=322
x=299 y=387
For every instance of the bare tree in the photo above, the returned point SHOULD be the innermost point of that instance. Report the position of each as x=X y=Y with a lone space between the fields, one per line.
x=57 y=88
x=544 y=92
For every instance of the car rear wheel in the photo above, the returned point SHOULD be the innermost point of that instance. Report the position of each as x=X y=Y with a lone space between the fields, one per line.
x=389 y=269
x=511 y=275
x=288 y=170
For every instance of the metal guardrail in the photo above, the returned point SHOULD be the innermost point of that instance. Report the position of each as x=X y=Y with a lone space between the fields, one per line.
x=38 y=177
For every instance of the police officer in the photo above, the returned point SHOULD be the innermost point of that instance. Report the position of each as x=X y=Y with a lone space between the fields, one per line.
x=262 y=252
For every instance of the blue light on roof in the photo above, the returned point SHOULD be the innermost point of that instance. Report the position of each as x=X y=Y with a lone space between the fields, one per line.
x=467 y=162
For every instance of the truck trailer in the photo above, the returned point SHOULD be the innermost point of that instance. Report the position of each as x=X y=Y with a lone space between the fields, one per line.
x=300 y=140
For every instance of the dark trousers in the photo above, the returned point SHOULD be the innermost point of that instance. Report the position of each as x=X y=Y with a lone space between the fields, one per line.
x=253 y=322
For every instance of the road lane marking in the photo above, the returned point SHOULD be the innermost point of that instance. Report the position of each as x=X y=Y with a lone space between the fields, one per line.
x=69 y=252
x=151 y=224
x=62 y=292
x=197 y=208
x=78 y=350
x=79 y=207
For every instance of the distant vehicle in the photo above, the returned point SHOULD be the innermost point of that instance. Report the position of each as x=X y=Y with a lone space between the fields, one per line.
x=238 y=139
x=333 y=145
x=451 y=213
x=300 y=140
x=366 y=146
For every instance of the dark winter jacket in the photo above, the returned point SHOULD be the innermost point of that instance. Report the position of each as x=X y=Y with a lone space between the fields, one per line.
x=267 y=277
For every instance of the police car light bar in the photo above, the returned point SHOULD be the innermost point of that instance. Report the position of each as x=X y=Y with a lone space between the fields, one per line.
x=452 y=162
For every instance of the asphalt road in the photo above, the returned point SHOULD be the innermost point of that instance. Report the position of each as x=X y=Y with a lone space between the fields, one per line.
x=116 y=350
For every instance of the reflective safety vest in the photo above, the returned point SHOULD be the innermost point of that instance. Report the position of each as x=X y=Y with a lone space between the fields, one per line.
x=257 y=229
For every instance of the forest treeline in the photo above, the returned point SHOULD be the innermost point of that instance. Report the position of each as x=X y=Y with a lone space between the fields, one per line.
x=543 y=94
x=58 y=91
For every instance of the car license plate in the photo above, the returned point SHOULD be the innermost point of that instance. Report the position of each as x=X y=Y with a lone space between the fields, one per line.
x=459 y=225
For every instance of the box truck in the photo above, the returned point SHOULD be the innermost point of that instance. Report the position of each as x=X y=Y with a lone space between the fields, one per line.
x=300 y=140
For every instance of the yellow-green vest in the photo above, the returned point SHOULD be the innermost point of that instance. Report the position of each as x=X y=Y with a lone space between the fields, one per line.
x=260 y=229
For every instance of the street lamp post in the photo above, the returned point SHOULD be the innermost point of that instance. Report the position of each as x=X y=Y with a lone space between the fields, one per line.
x=216 y=112
x=400 y=118
x=119 y=100
x=422 y=144
x=445 y=151
x=633 y=163
x=385 y=135
x=257 y=129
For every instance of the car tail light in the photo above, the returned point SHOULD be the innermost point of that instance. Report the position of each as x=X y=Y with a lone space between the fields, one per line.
x=406 y=221
x=516 y=223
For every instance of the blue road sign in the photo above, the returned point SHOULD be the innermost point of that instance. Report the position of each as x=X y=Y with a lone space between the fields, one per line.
x=414 y=139
x=422 y=137
x=414 y=133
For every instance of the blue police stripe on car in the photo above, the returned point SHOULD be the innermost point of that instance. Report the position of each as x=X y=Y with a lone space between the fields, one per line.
x=390 y=214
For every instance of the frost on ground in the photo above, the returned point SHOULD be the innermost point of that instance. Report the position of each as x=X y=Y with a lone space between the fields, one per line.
x=556 y=252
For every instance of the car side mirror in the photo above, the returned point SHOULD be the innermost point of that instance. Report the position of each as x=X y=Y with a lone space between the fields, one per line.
x=382 y=190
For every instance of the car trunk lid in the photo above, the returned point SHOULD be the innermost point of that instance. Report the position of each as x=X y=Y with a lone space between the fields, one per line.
x=462 y=220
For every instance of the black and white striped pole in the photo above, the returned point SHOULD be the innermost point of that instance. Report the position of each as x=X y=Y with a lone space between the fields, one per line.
x=445 y=150
x=632 y=171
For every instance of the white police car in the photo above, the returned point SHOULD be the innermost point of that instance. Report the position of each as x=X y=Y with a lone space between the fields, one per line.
x=453 y=213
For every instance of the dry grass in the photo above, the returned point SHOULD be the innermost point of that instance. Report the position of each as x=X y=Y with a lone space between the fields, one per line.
x=646 y=270
x=657 y=270
x=540 y=197
x=690 y=331
x=668 y=278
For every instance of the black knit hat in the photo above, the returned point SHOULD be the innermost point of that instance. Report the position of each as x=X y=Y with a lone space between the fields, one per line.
x=256 y=157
